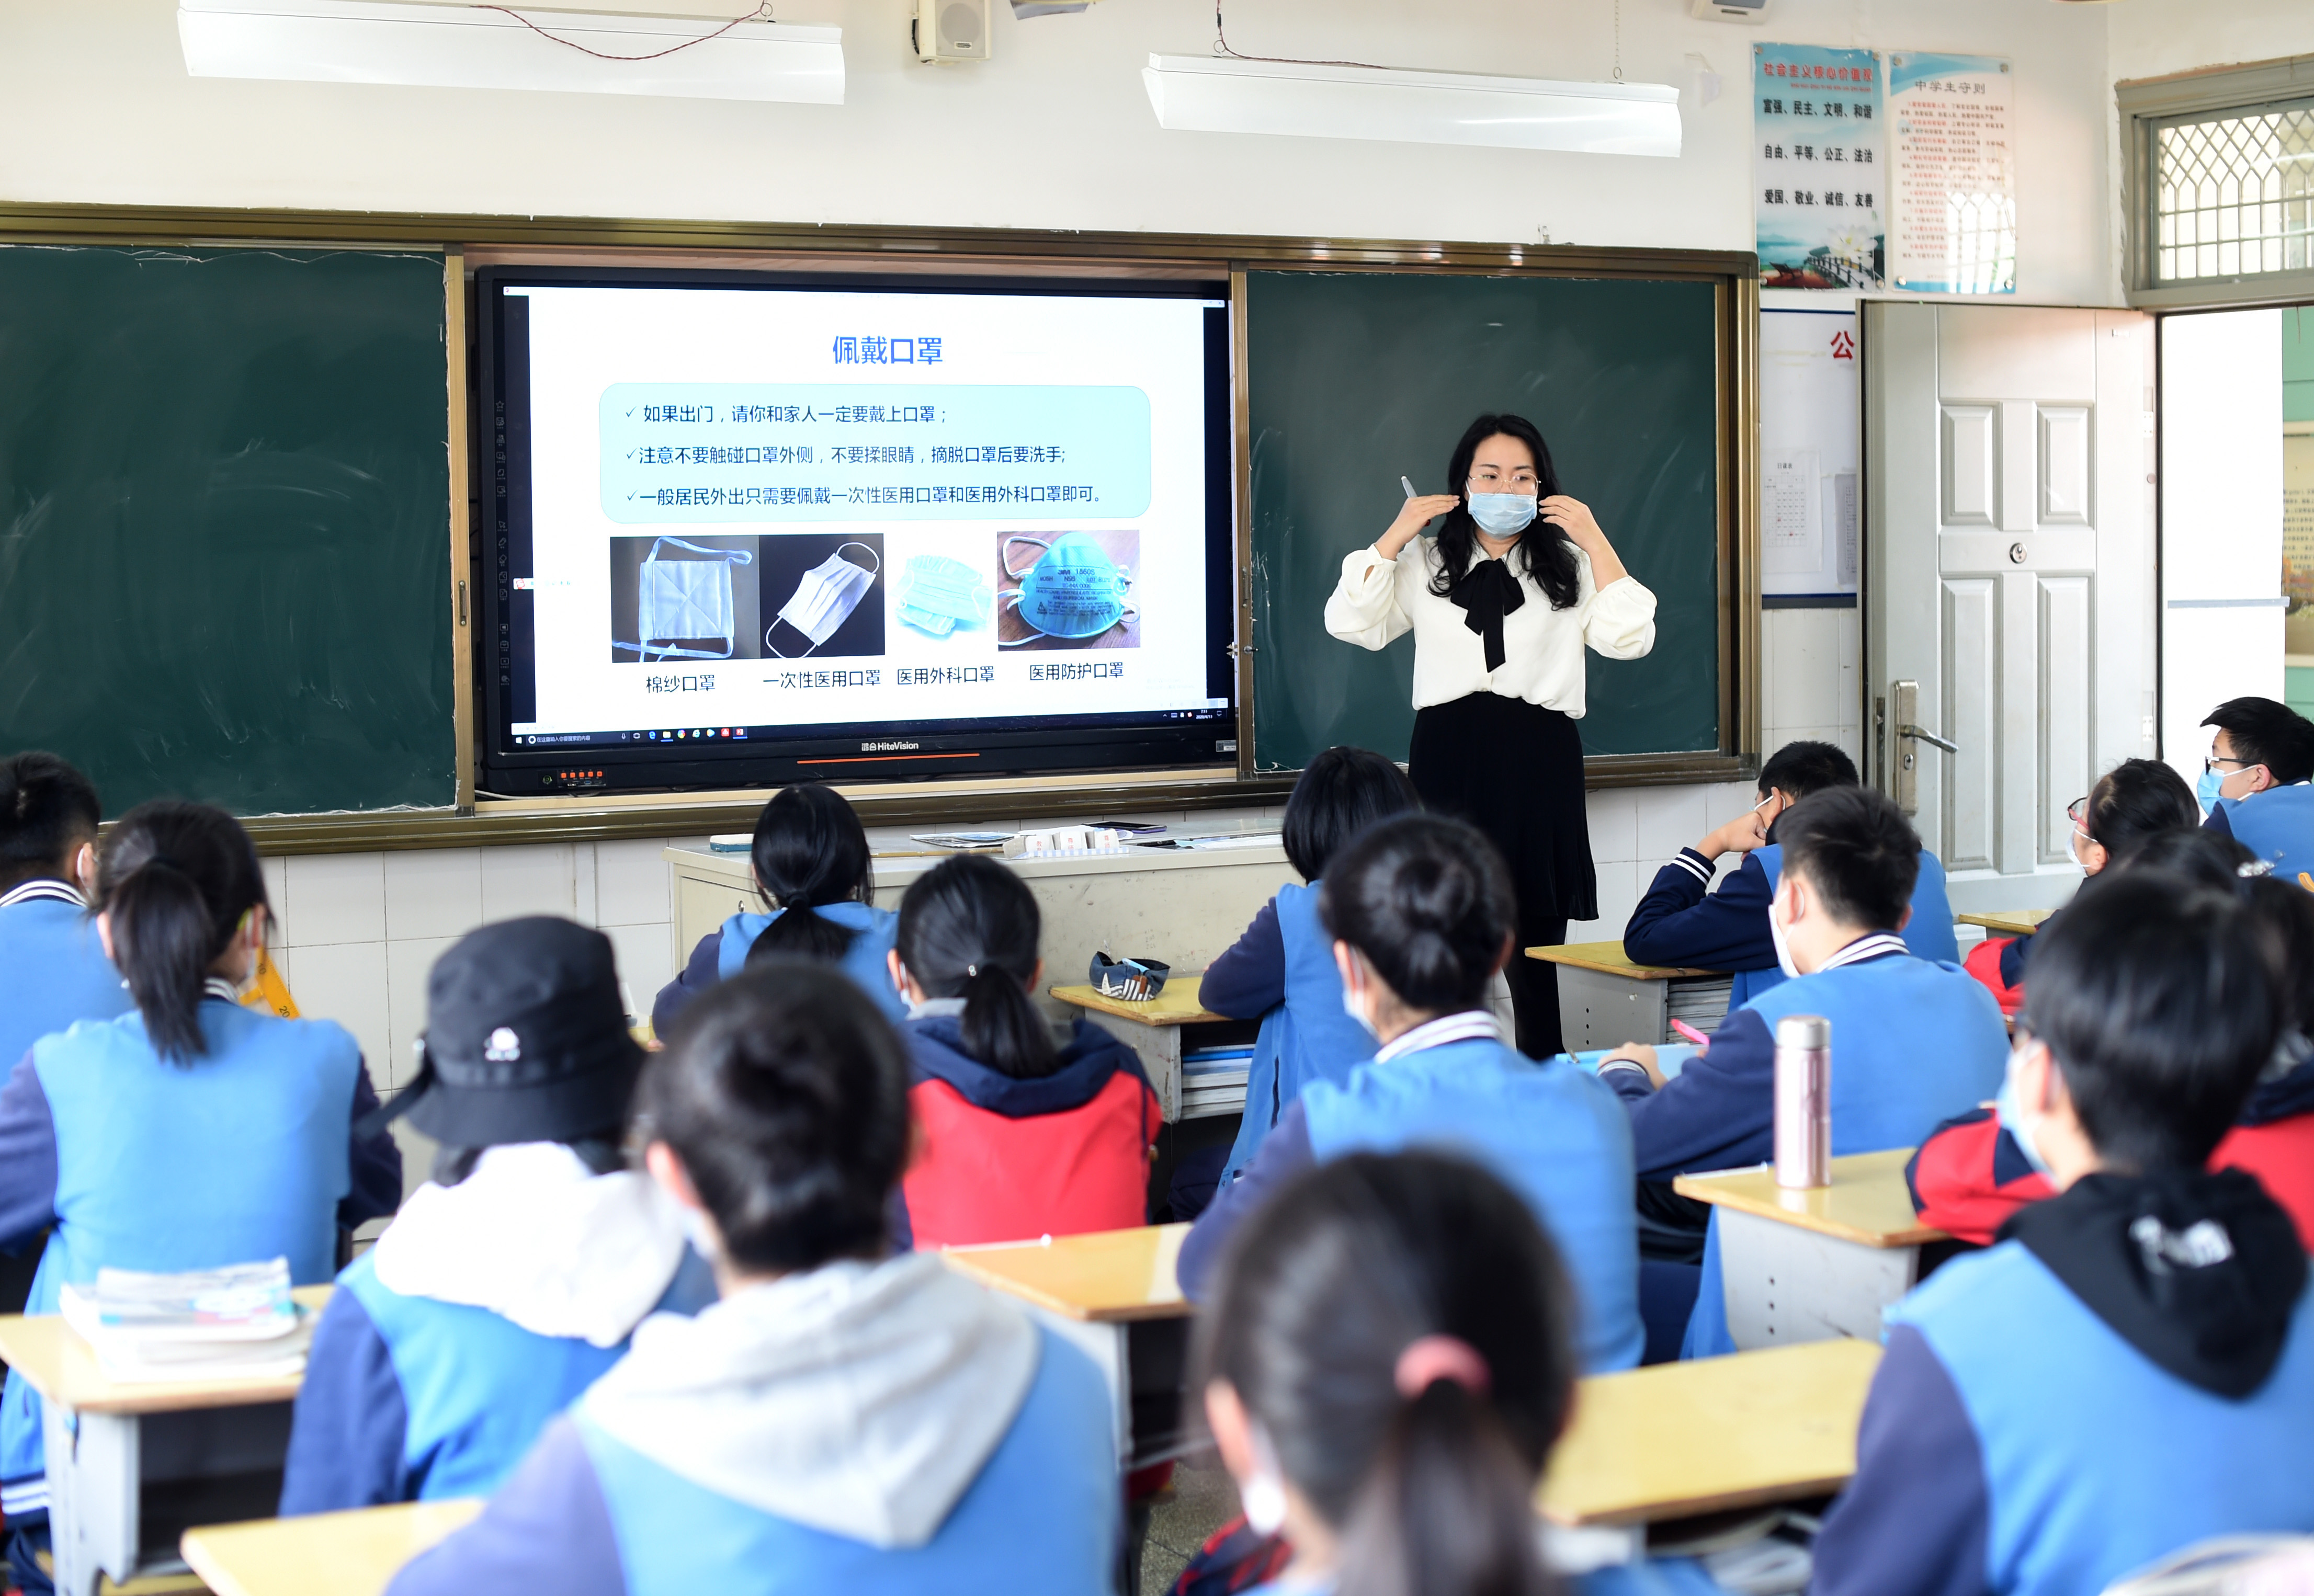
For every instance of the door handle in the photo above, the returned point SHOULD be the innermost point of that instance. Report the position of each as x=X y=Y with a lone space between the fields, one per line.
x=1923 y=735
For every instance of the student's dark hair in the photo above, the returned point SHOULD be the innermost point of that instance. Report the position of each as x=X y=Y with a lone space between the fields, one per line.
x=1426 y=899
x=2286 y=910
x=809 y=850
x=968 y=928
x=2136 y=799
x=175 y=878
x=1543 y=550
x=785 y=1094
x=45 y=808
x=2159 y=998
x=2263 y=732
x=1859 y=852
x=2213 y=859
x=1801 y=768
x=1339 y=794
x=2210 y=859
x=1322 y=1291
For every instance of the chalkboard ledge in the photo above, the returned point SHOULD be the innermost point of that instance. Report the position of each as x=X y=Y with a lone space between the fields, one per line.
x=507 y=823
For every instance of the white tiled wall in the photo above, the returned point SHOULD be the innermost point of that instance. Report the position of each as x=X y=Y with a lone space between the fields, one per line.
x=356 y=933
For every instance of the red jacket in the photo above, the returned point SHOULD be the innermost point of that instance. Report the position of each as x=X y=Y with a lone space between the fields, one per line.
x=1970 y=1176
x=1005 y=1159
x=1987 y=961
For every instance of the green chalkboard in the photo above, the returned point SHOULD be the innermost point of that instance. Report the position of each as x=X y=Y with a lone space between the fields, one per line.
x=1356 y=378
x=225 y=550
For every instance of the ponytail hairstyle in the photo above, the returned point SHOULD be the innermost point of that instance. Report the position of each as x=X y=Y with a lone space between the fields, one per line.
x=1425 y=899
x=1543 y=551
x=48 y=809
x=811 y=849
x=968 y=928
x=175 y=880
x=1329 y=1298
x=1339 y=794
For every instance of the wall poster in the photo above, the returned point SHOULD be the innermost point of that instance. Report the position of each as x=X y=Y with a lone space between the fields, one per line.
x=1953 y=151
x=1817 y=158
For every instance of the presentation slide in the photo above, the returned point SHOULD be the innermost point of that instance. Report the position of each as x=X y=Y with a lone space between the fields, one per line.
x=759 y=513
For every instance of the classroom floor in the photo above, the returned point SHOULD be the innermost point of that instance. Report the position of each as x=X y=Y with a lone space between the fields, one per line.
x=1198 y=1501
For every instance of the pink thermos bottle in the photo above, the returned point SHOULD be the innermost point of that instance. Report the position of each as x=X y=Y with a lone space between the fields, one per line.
x=1803 y=1100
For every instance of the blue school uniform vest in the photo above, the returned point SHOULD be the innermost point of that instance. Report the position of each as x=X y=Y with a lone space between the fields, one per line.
x=1041 y=1519
x=873 y=930
x=1929 y=934
x=1309 y=1037
x=2277 y=826
x=52 y=972
x=476 y=1388
x=232 y=1157
x=1555 y=1133
x=2097 y=1461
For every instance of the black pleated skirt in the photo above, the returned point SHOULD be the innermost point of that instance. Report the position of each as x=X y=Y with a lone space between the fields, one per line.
x=1515 y=770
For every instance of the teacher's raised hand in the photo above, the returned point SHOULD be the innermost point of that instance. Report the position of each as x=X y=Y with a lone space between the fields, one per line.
x=1573 y=517
x=1413 y=515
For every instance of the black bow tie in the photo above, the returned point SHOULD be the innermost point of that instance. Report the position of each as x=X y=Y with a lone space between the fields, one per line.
x=1486 y=593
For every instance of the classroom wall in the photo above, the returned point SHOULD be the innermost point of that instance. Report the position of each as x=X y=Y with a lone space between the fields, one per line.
x=1054 y=132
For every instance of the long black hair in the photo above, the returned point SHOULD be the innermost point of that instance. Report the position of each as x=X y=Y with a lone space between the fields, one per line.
x=786 y=1097
x=175 y=880
x=1339 y=794
x=811 y=849
x=1321 y=1292
x=1544 y=551
x=968 y=928
x=1428 y=901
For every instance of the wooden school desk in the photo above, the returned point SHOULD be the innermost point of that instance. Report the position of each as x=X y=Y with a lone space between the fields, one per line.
x=1156 y=1038
x=2007 y=923
x=1708 y=1436
x=1604 y=1000
x=148 y=1459
x=1804 y=1265
x=323 y=1553
x=1113 y=1293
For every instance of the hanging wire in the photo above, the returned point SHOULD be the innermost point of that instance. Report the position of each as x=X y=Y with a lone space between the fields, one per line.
x=1618 y=40
x=1222 y=48
x=762 y=13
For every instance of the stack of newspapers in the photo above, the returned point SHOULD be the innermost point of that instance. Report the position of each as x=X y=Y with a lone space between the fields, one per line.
x=237 y=1323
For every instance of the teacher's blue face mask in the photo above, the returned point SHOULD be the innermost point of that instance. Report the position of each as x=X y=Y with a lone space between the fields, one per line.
x=1500 y=515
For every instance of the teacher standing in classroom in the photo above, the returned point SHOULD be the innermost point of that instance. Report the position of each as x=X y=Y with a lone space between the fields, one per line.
x=1501 y=604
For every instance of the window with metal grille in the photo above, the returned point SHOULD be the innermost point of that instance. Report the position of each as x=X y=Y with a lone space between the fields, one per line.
x=2234 y=195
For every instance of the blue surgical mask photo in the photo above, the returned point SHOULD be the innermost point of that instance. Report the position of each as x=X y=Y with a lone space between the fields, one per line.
x=940 y=594
x=1070 y=590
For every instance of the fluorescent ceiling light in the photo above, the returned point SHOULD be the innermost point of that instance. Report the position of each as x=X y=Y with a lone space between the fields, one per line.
x=1218 y=94
x=466 y=47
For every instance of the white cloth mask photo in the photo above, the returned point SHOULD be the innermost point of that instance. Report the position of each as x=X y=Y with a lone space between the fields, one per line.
x=685 y=599
x=825 y=597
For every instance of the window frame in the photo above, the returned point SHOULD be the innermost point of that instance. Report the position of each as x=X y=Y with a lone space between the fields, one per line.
x=2144 y=106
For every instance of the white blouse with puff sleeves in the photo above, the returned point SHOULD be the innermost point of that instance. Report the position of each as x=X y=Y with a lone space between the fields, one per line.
x=1379 y=601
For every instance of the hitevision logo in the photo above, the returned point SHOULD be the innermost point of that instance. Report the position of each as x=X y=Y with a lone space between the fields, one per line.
x=888 y=747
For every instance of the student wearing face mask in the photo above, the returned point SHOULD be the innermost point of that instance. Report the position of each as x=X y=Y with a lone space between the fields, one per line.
x=1420 y=916
x=1978 y=1168
x=1913 y=1041
x=2255 y=784
x=2136 y=800
x=1518 y=582
x=1681 y=922
x=2129 y=1371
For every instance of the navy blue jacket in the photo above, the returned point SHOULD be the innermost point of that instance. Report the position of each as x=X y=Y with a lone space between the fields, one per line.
x=1248 y=979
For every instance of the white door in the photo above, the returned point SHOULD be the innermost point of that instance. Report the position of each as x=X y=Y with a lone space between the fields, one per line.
x=2008 y=607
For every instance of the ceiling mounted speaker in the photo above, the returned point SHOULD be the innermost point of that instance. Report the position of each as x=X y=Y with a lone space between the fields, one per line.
x=947 y=32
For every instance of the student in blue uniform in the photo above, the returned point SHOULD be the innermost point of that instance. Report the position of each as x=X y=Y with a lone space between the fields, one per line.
x=1914 y=1042
x=1683 y=922
x=1386 y=1363
x=191 y=1132
x=841 y=1420
x=2131 y=1367
x=509 y=1282
x=1281 y=971
x=53 y=969
x=2255 y=784
x=810 y=854
x=1419 y=910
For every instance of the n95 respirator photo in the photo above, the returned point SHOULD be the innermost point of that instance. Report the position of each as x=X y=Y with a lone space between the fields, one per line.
x=1071 y=595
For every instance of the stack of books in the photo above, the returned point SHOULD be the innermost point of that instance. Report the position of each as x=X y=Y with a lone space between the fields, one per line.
x=1212 y=1078
x=237 y=1323
x=1701 y=1002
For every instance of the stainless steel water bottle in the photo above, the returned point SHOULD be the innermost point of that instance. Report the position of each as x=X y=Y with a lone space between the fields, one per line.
x=1803 y=1100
